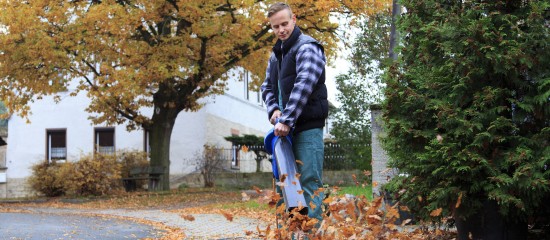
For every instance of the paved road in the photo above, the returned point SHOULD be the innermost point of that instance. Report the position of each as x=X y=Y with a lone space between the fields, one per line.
x=53 y=223
x=35 y=226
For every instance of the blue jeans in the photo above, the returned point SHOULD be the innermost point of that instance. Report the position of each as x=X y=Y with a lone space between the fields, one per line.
x=308 y=147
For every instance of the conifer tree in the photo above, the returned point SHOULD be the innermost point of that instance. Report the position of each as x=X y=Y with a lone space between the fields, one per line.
x=467 y=113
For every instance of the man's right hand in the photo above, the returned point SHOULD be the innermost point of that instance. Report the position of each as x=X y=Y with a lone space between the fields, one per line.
x=276 y=114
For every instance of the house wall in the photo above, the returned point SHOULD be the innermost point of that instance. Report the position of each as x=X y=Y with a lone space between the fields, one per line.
x=222 y=116
x=27 y=141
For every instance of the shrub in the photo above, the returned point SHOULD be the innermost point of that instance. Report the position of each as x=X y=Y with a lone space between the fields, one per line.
x=93 y=175
x=129 y=159
x=45 y=179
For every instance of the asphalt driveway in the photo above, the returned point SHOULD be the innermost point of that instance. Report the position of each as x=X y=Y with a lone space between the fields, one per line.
x=43 y=226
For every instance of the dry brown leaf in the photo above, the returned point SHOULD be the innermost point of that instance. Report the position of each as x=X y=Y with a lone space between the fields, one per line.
x=283 y=177
x=297 y=175
x=318 y=191
x=245 y=197
x=459 y=201
x=300 y=191
x=258 y=190
x=227 y=216
x=259 y=231
x=436 y=212
x=300 y=205
x=187 y=217
x=299 y=162
x=294 y=182
x=312 y=205
x=375 y=217
x=367 y=173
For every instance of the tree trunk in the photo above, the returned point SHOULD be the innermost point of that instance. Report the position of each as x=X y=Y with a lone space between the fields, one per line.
x=160 y=134
x=489 y=224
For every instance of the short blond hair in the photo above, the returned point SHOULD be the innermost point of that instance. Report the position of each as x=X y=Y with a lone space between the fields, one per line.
x=277 y=7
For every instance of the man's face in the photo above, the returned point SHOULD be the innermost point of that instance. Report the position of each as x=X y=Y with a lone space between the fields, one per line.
x=282 y=24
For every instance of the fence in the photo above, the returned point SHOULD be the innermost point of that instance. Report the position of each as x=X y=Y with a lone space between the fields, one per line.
x=337 y=157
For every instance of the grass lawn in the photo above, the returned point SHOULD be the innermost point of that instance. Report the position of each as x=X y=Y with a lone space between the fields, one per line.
x=356 y=191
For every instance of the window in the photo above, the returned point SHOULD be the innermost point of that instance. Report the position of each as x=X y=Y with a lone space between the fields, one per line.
x=104 y=140
x=56 y=145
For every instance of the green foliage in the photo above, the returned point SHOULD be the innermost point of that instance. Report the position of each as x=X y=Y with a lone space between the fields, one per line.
x=360 y=87
x=246 y=140
x=365 y=191
x=467 y=106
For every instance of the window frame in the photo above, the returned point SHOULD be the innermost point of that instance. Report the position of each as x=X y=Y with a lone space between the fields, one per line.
x=49 y=132
x=97 y=131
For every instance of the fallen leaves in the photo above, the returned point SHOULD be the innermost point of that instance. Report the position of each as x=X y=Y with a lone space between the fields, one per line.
x=436 y=212
x=244 y=197
x=227 y=215
x=344 y=217
x=187 y=217
x=257 y=189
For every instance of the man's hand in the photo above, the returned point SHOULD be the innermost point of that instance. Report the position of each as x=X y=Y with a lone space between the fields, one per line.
x=276 y=114
x=281 y=129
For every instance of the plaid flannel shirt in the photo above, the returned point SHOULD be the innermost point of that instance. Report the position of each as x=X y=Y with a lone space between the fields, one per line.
x=310 y=62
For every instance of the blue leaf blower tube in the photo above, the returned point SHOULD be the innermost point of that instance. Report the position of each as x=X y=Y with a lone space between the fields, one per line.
x=285 y=169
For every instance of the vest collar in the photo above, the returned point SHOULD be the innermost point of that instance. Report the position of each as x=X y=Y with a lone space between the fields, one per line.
x=288 y=43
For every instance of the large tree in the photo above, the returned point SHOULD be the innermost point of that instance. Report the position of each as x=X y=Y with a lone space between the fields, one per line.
x=133 y=55
x=361 y=87
x=467 y=113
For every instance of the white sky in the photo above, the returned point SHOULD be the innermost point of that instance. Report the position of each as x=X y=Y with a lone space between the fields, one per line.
x=341 y=66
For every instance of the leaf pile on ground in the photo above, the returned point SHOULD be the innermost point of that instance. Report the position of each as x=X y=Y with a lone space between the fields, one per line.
x=344 y=217
x=141 y=200
x=347 y=217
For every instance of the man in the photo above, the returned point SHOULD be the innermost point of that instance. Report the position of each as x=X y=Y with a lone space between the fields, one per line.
x=296 y=98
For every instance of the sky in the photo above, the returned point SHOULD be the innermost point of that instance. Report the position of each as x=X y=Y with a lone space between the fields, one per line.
x=341 y=65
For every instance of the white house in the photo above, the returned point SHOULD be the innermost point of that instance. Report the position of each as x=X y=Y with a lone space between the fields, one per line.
x=63 y=131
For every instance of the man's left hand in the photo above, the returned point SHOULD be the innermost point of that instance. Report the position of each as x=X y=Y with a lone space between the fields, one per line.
x=281 y=129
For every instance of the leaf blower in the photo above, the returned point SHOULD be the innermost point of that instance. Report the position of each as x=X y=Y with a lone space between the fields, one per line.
x=285 y=170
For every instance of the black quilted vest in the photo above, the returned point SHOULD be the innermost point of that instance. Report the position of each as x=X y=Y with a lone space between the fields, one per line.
x=283 y=68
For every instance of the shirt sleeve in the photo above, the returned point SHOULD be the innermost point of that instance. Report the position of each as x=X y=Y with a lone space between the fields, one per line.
x=268 y=91
x=310 y=64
